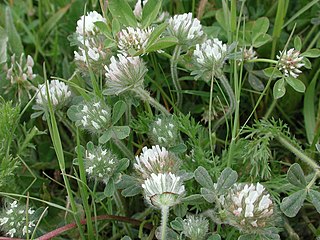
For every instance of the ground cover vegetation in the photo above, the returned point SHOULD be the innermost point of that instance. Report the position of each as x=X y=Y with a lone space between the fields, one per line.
x=150 y=119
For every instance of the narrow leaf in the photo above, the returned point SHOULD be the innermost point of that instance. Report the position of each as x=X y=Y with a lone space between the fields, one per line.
x=311 y=53
x=14 y=39
x=150 y=12
x=118 y=110
x=296 y=84
x=3 y=45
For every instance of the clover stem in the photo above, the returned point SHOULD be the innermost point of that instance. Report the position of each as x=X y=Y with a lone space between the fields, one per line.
x=164 y=220
x=174 y=73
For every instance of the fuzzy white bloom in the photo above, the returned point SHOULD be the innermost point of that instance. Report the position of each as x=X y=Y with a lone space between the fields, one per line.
x=248 y=54
x=289 y=62
x=195 y=227
x=209 y=57
x=11 y=232
x=186 y=28
x=163 y=189
x=59 y=94
x=248 y=206
x=85 y=25
x=133 y=39
x=212 y=50
x=155 y=160
x=124 y=74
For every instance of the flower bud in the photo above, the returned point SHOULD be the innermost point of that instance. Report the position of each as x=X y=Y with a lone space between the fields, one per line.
x=290 y=62
x=85 y=25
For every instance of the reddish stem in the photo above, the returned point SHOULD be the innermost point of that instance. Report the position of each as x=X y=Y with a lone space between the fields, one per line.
x=70 y=226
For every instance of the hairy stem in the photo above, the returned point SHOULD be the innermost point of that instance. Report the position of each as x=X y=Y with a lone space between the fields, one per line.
x=232 y=102
x=145 y=96
x=174 y=73
x=164 y=220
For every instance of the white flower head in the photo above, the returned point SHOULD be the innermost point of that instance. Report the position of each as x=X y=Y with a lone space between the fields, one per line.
x=185 y=28
x=99 y=163
x=163 y=189
x=124 y=74
x=195 y=227
x=13 y=219
x=249 y=207
x=155 y=160
x=86 y=26
x=164 y=131
x=289 y=62
x=133 y=39
x=248 y=54
x=59 y=94
x=94 y=116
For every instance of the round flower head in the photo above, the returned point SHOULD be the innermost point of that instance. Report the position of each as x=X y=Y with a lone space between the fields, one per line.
x=95 y=50
x=85 y=25
x=248 y=54
x=155 y=160
x=163 y=190
x=132 y=39
x=99 y=163
x=164 y=132
x=185 y=28
x=20 y=74
x=13 y=220
x=210 y=57
x=94 y=116
x=248 y=207
x=124 y=74
x=59 y=94
x=195 y=227
x=290 y=62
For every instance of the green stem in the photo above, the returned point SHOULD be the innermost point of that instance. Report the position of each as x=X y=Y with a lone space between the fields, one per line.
x=232 y=101
x=145 y=96
x=265 y=60
x=123 y=148
x=122 y=210
x=210 y=119
x=312 y=163
x=271 y=108
x=164 y=220
x=174 y=73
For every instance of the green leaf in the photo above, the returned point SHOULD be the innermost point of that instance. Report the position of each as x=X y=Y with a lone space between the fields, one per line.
x=118 y=110
x=109 y=188
x=214 y=236
x=255 y=82
x=279 y=89
x=248 y=237
x=52 y=22
x=121 y=132
x=131 y=191
x=297 y=43
x=121 y=10
x=122 y=165
x=227 y=178
x=156 y=33
x=315 y=199
x=72 y=113
x=3 y=45
x=162 y=43
x=295 y=176
x=193 y=199
x=203 y=178
x=291 y=205
x=307 y=63
x=296 y=84
x=308 y=109
x=115 y=27
x=261 y=26
x=311 y=53
x=272 y=72
x=180 y=148
x=177 y=224
x=105 y=136
x=150 y=12
x=208 y=195
x=260 y=40
x=14 y=39
x=104 y=29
